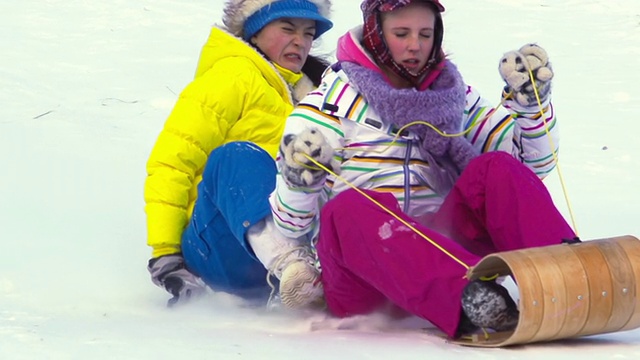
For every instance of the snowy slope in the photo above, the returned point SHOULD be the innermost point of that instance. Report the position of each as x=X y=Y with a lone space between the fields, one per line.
x=85 y=87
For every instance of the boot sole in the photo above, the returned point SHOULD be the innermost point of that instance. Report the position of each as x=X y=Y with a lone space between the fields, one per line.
x=298 y=290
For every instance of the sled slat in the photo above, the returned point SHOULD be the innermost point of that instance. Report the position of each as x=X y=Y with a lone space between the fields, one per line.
x=576 y=286
x=633 y=253
x=597 y=270
x=529 y=301
x=552 y=297
x=622 y=282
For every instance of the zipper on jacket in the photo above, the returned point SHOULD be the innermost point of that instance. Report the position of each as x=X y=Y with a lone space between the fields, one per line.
x=407 y=173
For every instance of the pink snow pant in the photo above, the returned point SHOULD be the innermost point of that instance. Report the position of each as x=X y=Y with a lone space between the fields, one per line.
x=370 y=259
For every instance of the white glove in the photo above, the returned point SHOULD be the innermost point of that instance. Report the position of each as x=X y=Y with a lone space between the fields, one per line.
x=514 y=68
x=296 y=168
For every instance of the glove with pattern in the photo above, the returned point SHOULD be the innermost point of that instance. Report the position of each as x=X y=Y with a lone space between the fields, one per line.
x=296 y=168
x=514 y=68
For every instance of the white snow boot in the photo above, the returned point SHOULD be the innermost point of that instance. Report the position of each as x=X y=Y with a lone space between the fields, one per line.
x=291 y=261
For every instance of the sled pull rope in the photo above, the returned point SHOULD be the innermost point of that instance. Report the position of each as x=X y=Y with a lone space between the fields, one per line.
x=552 y=145
x=404 y=222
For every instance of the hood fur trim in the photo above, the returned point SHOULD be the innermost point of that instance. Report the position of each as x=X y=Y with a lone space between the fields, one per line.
x=236 y=12
x=301 y=89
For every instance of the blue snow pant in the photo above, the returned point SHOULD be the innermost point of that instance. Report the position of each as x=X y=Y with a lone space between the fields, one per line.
x=232 y=196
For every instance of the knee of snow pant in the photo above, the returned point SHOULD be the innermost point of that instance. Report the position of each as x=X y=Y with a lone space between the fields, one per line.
x=369 y=257
x=499 y=204
x=237 y=182
x=232 y=196
x=495 y=168
x=216 y=256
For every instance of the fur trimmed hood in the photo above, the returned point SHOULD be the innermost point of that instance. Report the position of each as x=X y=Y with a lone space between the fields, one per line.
x=236 y=12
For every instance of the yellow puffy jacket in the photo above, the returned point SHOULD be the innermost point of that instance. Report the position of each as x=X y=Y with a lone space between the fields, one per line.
x=236 y=95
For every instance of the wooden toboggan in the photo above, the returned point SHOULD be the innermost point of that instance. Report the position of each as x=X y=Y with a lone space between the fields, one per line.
x=567 y=291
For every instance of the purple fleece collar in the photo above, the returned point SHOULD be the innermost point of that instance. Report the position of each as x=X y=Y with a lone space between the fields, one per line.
x=442 y=105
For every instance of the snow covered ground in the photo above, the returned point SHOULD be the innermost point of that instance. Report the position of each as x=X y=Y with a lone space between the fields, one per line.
x=85 y=87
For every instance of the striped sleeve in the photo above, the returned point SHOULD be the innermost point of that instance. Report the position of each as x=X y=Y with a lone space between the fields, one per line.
x=295 y=209
x=530 y=134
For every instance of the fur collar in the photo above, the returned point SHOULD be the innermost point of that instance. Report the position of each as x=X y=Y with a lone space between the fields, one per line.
x=301 y=89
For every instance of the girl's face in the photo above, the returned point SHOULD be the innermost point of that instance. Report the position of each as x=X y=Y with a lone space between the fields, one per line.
x=287 y=41
x=409 y=34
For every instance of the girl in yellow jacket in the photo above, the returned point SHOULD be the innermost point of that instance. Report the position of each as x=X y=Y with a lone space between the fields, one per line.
x=211 y=170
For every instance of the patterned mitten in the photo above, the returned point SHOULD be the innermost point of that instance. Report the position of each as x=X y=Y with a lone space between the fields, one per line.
x=296 y=168
x=514 y=68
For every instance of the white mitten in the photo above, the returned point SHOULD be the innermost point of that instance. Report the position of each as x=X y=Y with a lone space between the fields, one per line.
x=296 y=167
x=514 y=68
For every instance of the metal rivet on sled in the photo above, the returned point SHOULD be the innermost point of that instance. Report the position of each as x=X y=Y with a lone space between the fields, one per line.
x=625 y=291
x=246 y=223
x=553 y=299
x=604 y=293
x=535 y=302
x=579 y=297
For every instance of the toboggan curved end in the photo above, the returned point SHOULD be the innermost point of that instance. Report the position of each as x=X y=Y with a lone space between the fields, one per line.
x=567 y=291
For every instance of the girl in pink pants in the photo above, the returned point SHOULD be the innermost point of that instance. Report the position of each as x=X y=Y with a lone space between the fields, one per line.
x=369 y=258
x=395 y=117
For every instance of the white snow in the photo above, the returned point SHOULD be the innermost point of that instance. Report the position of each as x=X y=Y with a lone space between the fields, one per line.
x=85 y=87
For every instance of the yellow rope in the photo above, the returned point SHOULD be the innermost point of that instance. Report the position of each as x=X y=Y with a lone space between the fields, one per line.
x=489 y=278
x=553 y=151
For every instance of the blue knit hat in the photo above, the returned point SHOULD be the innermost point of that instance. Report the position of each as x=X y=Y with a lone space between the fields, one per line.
x=301 y=9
